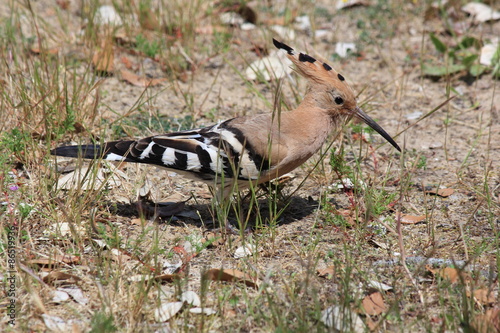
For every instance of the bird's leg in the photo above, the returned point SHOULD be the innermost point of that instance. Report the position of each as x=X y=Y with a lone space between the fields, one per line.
x=221 y=204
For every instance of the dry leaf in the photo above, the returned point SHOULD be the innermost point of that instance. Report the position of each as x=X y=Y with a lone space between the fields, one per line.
x=344 y=4
x=64 y=229
x=59 y=296
x=409 y=219
x=488 y=322
x=167 y=311
x=481 y=12
x=126 y=37
x=57 y=324
x=35 y=48
x=136 y=80
x=379 y=285
x=166 y=277
x=373 y=304
x=231 y=275
x=79 y=128
x=342 y=319
x=213 y=239
x=488 y=53
x=449 y=273
x=484 y=296
x=75 y=293
x=493 y=316
x=173 y=267
x=120 y=256
x=191 y=298
x=102 y=244
x=204 y=193
x=60 y=276
x=372 y=325
x=103 y=59
x=137 y=221
x=442 y=192
x=209 y=29
x=205 y=311
x=147 y=19
x=67 y=259
x=85 y=179
x=229 y=313
x=127 y=62
x=245 y=251
x=349 y=216
x=328 y=272
x=56 y=260
x=378 y=244
x=63 y=4
x=139 y=278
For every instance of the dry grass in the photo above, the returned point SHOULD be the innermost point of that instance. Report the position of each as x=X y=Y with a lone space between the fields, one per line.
x=52 y=94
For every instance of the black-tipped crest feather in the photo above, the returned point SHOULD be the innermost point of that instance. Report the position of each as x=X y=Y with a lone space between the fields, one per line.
x=305 y=57
x=283 y=46
x=327 y=67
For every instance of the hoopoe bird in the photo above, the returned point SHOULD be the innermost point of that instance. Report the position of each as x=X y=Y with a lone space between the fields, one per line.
x=245 y=151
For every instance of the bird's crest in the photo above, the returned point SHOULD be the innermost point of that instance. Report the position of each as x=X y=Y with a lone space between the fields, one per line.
x=311 y=68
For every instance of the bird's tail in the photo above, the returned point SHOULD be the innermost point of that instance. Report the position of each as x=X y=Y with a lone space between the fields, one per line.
x=85 y=151
x=107 y=151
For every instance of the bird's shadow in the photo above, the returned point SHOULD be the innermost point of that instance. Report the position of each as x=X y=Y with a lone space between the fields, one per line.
x=265 y=212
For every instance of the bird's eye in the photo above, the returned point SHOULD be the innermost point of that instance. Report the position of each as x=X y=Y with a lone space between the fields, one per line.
x=339 y=100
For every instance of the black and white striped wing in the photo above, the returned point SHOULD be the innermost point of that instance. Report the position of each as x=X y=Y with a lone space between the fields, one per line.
x=210 y=153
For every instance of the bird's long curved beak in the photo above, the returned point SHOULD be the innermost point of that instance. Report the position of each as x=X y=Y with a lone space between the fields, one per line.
x=370 y=122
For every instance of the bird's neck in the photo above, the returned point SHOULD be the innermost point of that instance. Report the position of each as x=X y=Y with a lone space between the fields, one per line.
x=311 y=123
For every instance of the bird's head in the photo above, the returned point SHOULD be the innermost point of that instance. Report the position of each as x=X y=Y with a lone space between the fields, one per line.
x=330 y=89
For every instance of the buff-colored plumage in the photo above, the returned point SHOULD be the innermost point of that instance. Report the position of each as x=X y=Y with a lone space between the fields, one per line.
x=252 y=149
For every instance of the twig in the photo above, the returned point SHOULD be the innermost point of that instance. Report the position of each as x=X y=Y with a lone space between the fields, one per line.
x=439 y=262
x=403 y=257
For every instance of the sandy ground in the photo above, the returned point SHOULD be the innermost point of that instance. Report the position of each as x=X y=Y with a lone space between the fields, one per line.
x=460 y=144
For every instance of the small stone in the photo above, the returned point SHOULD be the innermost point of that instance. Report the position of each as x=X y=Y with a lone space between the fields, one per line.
x=414 y=115
x=283 y=32
x=107 y=15
x=303 y=23
x=343 y=49
x=191 y=298
x=205 y=311
x=247 y=26
x=231 y=18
